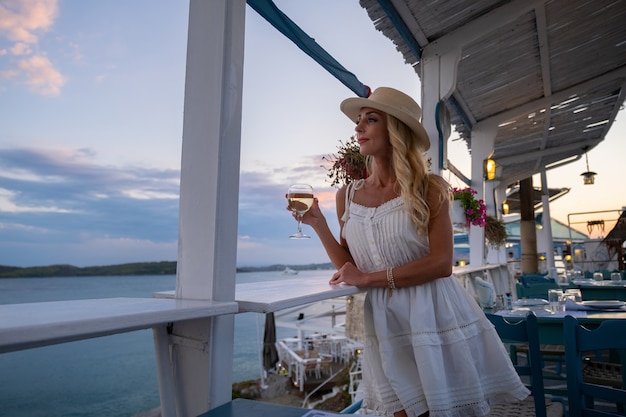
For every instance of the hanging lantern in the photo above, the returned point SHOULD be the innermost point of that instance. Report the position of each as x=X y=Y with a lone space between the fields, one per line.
x=505 y=207
x=588 y=176
x=490 y=169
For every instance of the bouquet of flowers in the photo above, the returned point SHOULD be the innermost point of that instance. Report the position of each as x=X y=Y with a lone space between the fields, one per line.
x=348 y=164
x=475 y=210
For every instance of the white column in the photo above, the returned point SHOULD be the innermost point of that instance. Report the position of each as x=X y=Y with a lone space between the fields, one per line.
x=207 y=243
x=438 y=80
x=483 y=138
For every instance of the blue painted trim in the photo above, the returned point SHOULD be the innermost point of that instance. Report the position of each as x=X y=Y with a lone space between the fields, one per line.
x=401 y=27
x=459 y=110
x=439 y=131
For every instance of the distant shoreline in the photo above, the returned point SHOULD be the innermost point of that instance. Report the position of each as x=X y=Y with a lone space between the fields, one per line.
x=136 y=268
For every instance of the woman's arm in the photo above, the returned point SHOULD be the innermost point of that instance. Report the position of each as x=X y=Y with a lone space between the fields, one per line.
x=437 y=264
x=337 y=252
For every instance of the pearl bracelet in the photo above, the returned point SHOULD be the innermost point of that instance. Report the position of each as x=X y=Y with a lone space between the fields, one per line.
x=390 y=281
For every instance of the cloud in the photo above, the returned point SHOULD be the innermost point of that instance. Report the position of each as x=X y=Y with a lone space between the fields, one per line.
x=21 y=23
x=71 y=197
x=60 y=205
x=20 y=48
x=22 y=20
x=7 y=205
x=40 y=75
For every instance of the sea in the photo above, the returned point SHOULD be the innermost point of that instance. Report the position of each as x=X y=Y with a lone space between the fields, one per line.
x=109 y=376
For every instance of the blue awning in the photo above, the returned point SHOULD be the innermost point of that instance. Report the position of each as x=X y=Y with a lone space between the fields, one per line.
x=268 y=10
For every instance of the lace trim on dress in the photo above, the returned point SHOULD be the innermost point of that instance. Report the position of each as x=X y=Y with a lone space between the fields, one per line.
x=384 y=208
x=357 y=185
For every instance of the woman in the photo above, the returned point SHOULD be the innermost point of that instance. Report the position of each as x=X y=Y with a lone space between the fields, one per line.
x=429 y=349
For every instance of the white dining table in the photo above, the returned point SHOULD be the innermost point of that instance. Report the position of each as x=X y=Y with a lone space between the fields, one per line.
x=601 y=290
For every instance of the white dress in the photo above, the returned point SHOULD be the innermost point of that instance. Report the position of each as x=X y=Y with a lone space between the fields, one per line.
x=428 y=347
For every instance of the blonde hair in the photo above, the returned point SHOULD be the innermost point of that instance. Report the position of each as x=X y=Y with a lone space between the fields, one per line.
x=412 y=174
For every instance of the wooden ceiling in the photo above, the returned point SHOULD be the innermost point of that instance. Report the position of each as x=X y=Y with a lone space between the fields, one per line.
x=550 y=74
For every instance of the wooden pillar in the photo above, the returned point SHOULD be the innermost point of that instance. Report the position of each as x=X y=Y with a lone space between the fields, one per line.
x=528 y=231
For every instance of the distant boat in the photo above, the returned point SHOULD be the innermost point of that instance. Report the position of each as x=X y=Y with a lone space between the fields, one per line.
x=289 y=271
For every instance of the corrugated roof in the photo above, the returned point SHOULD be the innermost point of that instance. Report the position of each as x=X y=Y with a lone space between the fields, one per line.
x=551 y=74
x=560 y=232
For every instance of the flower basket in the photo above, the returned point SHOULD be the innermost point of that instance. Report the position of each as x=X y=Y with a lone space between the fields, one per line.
x=495 y=232
x=475 y=210
x=457 y=214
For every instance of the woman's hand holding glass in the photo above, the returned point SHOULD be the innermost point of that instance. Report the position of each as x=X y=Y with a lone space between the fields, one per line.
x=300 y=199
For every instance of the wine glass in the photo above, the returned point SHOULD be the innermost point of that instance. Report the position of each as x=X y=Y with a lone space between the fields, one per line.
x=300 y=197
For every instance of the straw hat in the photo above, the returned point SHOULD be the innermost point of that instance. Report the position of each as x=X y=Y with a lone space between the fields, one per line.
x=393 y=102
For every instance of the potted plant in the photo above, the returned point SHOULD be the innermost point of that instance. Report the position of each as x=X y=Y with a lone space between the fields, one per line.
x=473 y=210
x=495 y=232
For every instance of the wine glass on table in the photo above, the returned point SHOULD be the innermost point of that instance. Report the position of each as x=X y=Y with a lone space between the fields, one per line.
x=300 y=198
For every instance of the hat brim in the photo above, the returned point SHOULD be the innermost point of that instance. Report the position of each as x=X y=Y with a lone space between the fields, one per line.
x=352 y=106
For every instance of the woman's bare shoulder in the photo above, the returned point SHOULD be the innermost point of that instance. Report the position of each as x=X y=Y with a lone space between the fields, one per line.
x=438 y=180
x=341 y=193
x=438 y=192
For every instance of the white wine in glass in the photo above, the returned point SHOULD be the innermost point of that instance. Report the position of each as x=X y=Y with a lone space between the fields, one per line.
x=300 y=197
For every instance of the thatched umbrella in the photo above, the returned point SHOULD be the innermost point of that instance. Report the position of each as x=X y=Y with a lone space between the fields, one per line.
x=615 y=240
x=270 y=354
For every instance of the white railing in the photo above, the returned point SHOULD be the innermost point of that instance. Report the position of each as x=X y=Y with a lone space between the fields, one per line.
x=31 y=325
x=496 y=274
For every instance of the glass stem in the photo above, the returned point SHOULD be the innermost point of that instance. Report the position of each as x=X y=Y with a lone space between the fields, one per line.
x=299 y=223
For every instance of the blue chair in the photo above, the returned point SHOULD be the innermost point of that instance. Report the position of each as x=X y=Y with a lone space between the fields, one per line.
x=583 y=392
x=528 y=279
x=526 y=332
x=534 y=286
x=535 y=290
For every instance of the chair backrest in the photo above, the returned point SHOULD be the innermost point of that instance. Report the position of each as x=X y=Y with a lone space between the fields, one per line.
x=579 y=341
x=535 y=290
x=528 y=279
x=527 y=332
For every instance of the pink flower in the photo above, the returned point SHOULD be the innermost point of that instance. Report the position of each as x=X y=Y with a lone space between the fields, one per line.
x=475 y=210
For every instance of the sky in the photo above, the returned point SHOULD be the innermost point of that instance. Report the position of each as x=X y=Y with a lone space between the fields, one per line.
x=91 y=106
